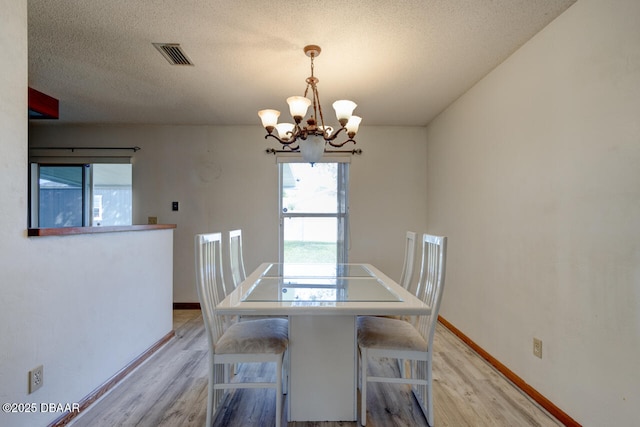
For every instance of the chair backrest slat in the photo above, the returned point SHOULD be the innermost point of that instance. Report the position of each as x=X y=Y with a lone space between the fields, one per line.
x=236 y=261
x=409 y=260
x=210 y=282
x=431 y=282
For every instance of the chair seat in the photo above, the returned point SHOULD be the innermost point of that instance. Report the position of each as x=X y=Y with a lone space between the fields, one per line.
x=387 y=333
x=255 y=336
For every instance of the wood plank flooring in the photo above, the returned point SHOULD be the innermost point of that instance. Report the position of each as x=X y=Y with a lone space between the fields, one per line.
x=170 y=390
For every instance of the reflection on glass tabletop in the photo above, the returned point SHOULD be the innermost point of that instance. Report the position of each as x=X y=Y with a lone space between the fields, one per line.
x=317 y=270
x=318 y=289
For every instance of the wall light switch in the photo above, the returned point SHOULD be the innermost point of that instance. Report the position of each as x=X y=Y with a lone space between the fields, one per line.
x=174 y=206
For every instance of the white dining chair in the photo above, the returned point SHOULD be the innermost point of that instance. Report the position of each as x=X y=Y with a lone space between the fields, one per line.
x=406 y=276
x=253 y=341
x=393 y=338
x=236 y=265
x=236 y=261
x=409 y=260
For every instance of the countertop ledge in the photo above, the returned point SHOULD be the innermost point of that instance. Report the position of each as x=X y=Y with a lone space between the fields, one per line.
x=67 y=231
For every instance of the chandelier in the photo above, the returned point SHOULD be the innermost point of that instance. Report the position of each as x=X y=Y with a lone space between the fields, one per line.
x=311 y=140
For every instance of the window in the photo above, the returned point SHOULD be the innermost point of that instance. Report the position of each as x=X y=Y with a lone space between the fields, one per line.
x=313 y=212
x=60 y=196
x=112 y=194
x=72 y=195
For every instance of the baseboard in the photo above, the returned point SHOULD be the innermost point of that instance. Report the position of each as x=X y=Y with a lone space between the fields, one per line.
x=186 y=306
x=66 y=418
x=511 y=376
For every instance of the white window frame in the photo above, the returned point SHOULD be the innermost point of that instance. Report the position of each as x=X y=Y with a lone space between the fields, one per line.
x=88 y=199
x=342 y=215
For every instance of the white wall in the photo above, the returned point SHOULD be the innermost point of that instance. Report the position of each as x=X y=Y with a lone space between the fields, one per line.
x=535 y=176
x=223 y=179
x=83 y=306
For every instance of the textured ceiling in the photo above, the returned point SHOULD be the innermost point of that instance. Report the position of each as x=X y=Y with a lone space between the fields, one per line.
x=403 y=62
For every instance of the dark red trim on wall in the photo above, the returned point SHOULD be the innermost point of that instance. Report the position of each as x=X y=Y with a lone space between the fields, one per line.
x=42 y=106
x=186 y=306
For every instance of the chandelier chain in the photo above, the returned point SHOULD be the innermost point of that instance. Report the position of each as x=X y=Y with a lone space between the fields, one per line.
x=317 y=96
x=310 y=80
x=317 y=108
x=312 y=56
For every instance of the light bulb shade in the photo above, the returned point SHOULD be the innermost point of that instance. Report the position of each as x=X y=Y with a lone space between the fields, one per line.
x=298 y=106
x=344 y=109
x=312 y=148
x=285 y=131
x=269 y=118
x=352 y=125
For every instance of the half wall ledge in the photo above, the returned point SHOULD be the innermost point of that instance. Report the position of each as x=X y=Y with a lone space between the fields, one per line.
x=68 y=231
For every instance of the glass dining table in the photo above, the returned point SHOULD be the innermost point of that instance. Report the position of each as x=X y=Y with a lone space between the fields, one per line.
x=322 y=302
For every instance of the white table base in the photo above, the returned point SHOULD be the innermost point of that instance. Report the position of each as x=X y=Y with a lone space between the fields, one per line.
x=322 y=380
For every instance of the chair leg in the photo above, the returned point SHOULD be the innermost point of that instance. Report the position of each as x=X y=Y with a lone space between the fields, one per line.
x=211 y=392
x=363 y=386
x=429 y=390
x=358 y=370
x=210 y=403
x=285 y=372
x=279 y=391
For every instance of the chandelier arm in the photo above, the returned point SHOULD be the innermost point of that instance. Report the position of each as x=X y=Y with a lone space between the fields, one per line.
x=331 y=143
x=334 y=135
x=285 y=149
x=284 y=143
x=331 y=138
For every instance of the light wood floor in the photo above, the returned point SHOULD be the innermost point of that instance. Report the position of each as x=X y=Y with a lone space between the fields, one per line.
x=170 y=390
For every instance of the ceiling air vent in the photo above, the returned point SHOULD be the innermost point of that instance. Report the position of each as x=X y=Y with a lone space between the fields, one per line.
x=173 y=53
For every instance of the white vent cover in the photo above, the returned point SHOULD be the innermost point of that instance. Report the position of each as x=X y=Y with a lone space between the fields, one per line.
x=173 y=53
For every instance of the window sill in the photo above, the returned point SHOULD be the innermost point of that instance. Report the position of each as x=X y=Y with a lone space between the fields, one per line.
x=67 y=231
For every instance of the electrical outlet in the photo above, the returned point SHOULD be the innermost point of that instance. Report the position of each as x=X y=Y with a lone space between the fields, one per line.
x=36 y=378
x=537 y=347
x=152 y=220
